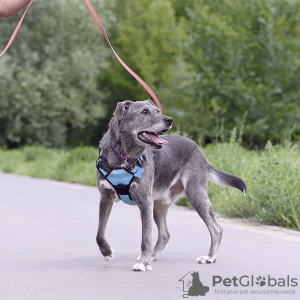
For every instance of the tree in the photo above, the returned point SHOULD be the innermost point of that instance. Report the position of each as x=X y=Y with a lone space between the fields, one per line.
x=49 y=77
x=145 y=36
x=244 y=57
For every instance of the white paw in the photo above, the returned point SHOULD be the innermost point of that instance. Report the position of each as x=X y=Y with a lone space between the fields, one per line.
x=206 y=260
x=142 y=267
x=109 y=257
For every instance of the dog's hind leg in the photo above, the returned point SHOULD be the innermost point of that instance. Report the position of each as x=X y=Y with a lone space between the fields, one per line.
x=196 y=192
x=160 y=213
x=106 y=203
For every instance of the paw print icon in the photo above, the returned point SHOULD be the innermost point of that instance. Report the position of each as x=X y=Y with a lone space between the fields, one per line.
x=261 y=281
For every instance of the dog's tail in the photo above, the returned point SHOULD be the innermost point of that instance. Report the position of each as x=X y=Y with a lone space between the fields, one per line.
x=222 y=178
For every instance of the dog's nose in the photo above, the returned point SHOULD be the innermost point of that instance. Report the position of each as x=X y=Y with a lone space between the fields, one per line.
x=168 y=121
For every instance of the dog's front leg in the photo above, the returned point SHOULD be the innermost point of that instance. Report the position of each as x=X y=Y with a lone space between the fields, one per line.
x=145 y=204
x=106 y=203
x=146 y=209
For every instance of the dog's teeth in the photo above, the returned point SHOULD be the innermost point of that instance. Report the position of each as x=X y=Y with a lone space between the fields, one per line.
x=146 y=135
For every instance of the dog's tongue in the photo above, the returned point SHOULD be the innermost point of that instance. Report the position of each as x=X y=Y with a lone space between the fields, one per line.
x=156 y=139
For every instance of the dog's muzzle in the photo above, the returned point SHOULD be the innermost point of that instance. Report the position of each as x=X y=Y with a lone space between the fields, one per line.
x=169 y=122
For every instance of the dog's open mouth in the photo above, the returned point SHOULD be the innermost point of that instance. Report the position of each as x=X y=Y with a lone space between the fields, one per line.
x=152 y=139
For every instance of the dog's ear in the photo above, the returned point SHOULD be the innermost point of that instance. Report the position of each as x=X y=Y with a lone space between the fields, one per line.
x=122 y=109
x=151 y=102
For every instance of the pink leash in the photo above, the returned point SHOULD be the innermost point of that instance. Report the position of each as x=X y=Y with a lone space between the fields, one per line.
x=16 y=30
x=99 y=23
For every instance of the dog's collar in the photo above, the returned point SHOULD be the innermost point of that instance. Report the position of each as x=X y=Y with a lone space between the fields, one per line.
x=102 y=163
x=122 y=156
x=131 y=169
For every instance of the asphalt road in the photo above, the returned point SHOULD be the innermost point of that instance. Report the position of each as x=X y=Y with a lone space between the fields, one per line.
x=48 y=251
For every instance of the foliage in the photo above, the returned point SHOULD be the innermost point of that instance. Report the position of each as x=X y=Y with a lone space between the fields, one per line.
x=145 y=36
x=271 y=175
x=277 y=193
x=244 y=57
x=210 y=62
x=48 y=78
x=76 y=165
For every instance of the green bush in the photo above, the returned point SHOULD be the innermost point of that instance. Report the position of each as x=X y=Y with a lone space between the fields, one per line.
x=76 y=165
x=49 y=76
x=271 y=175
x=273 y=191
x=208 y=61
x=238 y=56
x=276 y=197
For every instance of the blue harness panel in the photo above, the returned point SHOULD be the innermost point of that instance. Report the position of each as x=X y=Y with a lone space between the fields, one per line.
x=120 y=178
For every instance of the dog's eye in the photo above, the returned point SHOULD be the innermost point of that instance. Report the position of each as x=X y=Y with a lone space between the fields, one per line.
x=145 y=112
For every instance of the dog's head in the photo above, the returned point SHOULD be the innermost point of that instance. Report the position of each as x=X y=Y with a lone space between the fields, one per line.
x=142 y=120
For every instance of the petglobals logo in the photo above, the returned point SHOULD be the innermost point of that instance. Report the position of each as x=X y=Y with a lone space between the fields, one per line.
x=251 y=281
x=192 y=285
x=195 y=284
x=254 y=285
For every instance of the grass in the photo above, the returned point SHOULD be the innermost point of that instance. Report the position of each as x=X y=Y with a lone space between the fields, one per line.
x=271 y=175
x=272 y=178
x=73 y=165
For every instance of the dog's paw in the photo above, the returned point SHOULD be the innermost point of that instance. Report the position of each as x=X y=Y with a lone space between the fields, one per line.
x=109 y=257
x=206 y=260
x=142 y=267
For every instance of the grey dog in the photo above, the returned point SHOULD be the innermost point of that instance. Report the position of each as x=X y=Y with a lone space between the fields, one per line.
x=173 y=166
